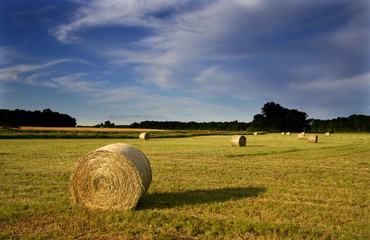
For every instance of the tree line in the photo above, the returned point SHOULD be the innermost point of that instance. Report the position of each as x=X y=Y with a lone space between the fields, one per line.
x=176 y=125
x=45 y=118
x=353 y=123
x=273 y=118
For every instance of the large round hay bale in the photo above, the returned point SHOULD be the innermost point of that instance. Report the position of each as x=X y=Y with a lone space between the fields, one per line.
x=238 y=141
x=312 y=138
x=111 y=177
x=144 y=136
x=283 y=133
x=327 y=134
x=255 y=133
x=288 y=133
x=300 y=136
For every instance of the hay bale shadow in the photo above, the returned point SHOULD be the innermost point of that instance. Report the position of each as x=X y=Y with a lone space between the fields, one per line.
x=195 y=197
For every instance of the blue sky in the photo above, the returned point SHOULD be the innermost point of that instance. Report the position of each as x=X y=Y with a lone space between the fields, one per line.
x=186 y=60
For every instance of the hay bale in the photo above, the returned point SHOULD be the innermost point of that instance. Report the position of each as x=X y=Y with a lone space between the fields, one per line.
x=312 y=139
x=144 y=136
x=238 y=141
x=303 y=133
x=327 y=134
x=283 y=133
x=288 y=133
x=255 y=133
x=300 y=136
x=111 y=177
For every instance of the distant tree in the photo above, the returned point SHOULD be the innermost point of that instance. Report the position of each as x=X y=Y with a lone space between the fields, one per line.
x=259 y=123
x=108 y=124
x=274 y=117
x=176 y=125
x=353 y=123
x=46 y=118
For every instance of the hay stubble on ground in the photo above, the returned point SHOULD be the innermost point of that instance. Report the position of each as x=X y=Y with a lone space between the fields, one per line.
x=202 y=188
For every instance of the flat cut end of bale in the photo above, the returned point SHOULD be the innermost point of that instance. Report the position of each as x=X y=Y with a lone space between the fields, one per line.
x=300 y=136
x=312 y=139
x=238 y=141
x=327 y=134
x=115 y=176
x=144 y=136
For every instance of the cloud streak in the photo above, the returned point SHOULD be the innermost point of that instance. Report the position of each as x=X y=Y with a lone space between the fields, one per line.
x=15 y=73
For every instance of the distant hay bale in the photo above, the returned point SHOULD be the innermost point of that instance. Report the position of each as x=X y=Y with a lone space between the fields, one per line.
x=255 y=133
x=300 y=136
x=115 y=176
x=312 y=138
x=283 y=133
x=144 y=136
x=288 y=133
x=238 y=141
x=303 y=133
x=327 y=134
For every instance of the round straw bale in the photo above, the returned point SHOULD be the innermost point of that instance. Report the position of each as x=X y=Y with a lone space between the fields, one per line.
x=144 y=136
x=288 y=133
x=111 y=177
x=238 y=141
x=312 y=138
x=255 y=133
x=300 y=136
x=303 y=133
x=283 y=133
x=327 y=134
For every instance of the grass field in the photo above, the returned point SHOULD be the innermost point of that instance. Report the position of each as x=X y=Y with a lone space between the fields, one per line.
x=277 y=187
x=89 y=132
x=88 y=129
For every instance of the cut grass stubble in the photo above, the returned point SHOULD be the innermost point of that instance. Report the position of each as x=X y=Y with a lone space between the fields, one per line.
x=202 y=188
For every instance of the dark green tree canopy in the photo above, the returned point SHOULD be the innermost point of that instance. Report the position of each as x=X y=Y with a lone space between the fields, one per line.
x=46 y=118
x=274 y=117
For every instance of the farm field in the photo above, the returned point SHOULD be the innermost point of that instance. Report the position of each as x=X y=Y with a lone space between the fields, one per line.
x=277 y=187
x=92 y=129
x=25 y=132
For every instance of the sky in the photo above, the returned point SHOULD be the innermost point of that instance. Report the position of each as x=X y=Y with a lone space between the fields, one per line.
x=129 y=61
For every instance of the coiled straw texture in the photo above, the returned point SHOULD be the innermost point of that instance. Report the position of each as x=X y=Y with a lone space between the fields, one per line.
x=115 y=176
x=312 y=139
x=144 y=136
x=238 y=141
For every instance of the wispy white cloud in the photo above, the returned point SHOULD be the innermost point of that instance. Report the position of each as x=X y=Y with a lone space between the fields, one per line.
x=111 y=12
x=359 y=82
x=126 y=116
x=75 y=83
x=15 y=72
x=8 y=54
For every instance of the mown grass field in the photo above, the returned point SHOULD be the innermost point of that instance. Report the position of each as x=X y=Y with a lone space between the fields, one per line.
x=277 y=187
x=89 y=132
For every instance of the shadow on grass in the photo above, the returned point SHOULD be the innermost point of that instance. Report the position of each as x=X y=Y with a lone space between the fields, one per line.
x=194 y=197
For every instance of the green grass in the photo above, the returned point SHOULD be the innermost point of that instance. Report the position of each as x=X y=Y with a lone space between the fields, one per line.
x=277 y=187
x=131 y=134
